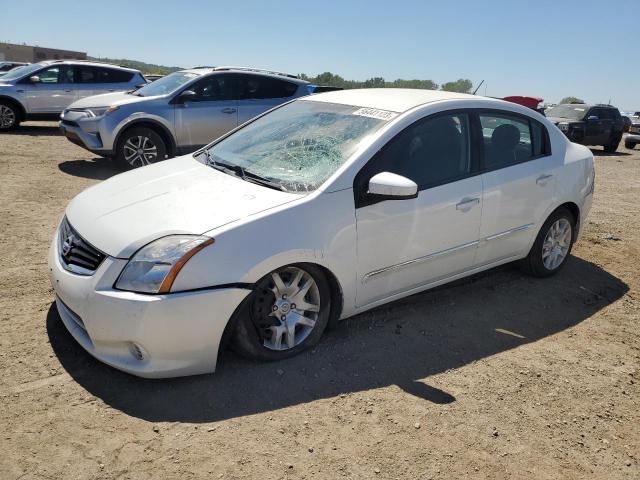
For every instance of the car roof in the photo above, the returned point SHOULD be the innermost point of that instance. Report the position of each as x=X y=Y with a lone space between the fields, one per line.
x=394 y=99
x=246 y=70
x=88 y=62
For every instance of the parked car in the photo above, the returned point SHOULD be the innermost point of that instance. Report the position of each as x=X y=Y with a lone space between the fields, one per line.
x=41 y=91
x=177 y=113
x=323 y=208
x=531 y=102
x=6 y=66
x=589 y=124
x=633 y=138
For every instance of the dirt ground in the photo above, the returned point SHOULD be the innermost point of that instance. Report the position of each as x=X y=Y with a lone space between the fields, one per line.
x=498 y=376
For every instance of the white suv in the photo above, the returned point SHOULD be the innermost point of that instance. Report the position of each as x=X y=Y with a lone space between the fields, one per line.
x=41 y=91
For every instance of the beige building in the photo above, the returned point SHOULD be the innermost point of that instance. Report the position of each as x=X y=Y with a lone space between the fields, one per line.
x=26 y=53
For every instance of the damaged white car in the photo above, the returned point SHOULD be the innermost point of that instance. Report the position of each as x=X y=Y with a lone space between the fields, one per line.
x=320 y=209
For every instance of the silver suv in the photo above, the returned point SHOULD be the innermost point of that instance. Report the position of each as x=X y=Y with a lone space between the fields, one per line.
x=176 y=114
x=41 y=91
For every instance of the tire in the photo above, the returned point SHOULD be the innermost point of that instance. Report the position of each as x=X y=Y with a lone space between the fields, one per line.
x=9 y=116
x=613 y=145
x=129 y=154
x=629 y=145
x=259 y=322
x=539 y=265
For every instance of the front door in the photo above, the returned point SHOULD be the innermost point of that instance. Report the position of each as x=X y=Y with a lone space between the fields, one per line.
x=405 y=244
x=210 y=114
x=518 y=185
x=54 y=92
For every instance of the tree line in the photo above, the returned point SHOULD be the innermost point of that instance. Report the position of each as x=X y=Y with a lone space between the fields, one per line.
x=461 y=85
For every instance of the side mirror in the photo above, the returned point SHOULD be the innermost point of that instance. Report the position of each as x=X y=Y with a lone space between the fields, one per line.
x=591 y=118
x=34 y=79
x=186 y=96
x=389 y=186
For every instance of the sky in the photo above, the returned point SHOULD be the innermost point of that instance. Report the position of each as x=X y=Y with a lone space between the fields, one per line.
x=547 y=48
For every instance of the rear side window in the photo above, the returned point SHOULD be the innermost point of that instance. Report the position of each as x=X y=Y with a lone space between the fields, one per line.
x=214 y=88
x=89 y=74
x=510 y=139
x=431 y=152
x=257 y=87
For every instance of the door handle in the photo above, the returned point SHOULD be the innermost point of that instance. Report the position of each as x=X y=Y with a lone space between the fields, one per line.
x=466 y=203
x=229 y=110
x=542 y=179
x=67 y=91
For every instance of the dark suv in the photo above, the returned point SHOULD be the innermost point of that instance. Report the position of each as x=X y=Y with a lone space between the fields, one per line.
x=589 y=124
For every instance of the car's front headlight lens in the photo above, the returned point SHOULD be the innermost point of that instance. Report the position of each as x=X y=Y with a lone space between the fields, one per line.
x=154 y=267
x=99 y=111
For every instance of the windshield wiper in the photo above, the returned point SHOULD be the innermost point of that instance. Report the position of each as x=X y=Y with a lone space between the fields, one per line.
x=238 y=171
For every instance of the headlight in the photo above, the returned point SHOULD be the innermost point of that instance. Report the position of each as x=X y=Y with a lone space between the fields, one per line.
x=98 y=112
x=154 y=267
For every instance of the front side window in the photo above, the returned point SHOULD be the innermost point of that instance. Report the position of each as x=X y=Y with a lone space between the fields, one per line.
x=298 y=146
x=166 y=85
x=57 y=74
x=510 y=139
x=214 y=88
x=430 y=152
x=257 y=87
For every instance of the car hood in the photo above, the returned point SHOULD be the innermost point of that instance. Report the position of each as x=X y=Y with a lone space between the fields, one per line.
x=108 y=100
x=182 y=195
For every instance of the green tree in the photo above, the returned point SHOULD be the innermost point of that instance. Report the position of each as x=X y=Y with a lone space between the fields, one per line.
x=571 y=100
x=462 y=85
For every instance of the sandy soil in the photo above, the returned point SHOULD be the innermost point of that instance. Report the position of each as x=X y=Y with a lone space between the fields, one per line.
x=498 y=376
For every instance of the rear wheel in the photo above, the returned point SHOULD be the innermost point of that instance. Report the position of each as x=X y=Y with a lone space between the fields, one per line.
x=629 y=145
x=9 y=116
x=613 y=145
x=140 y=146
x=286 y=313
x=553 y=245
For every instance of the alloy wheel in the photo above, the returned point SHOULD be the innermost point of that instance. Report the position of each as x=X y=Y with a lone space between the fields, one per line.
x=556 y=244
x=139 y=151
x=7 y=117
x=288 y=305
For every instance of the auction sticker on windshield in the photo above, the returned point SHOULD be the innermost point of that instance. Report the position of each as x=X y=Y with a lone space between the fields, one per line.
x=375 y=113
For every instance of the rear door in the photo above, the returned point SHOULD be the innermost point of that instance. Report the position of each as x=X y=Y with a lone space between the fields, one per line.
x=92 y=80
x=519 y=179
x=211 y=113
x=55 y=91
x=258 y=93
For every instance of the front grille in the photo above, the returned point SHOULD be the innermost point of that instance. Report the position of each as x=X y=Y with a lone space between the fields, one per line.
x=69 y=123
x=76 y=254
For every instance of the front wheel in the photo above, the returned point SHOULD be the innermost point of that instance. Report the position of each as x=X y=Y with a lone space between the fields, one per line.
x=140 y=146
x=629 y=145
x=553 y=245
x=287 y=313
x=9 y=116
x=613 y=145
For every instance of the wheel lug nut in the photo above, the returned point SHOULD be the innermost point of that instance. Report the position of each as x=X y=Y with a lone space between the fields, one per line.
x=293 y=305
x=284 y=297
x=283 y=318
x=275 y=307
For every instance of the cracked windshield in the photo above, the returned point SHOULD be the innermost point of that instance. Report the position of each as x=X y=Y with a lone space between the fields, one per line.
x=299 y=145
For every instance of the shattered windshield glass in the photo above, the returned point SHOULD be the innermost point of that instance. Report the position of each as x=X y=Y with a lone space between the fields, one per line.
x=299 y=145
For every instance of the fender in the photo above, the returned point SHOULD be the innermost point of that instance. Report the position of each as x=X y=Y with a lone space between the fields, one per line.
x=133 y=121
x=15 y=101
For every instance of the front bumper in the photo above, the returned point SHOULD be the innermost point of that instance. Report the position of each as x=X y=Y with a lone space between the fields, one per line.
x=87 y=132
x=151 y=336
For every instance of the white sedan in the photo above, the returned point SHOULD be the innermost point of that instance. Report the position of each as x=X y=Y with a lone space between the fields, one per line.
x=316 y=211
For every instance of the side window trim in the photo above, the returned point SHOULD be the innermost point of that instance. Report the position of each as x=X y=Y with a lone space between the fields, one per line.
x=546 y=142
x=359 y=185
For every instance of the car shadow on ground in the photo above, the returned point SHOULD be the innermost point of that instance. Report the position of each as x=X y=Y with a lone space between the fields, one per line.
x=401 y=344
x=602 y=153
x=97 y=168
x=35 y=130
